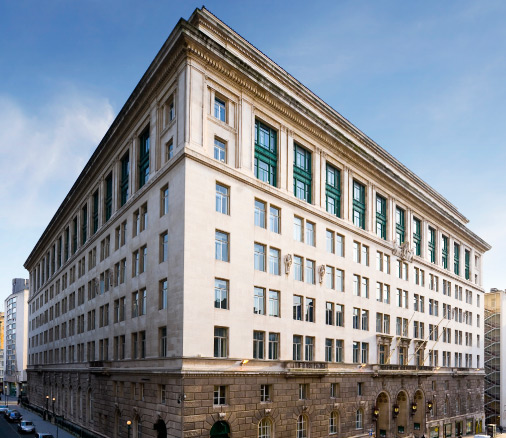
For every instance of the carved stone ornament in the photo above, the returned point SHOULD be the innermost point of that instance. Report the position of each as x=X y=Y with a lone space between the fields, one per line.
x=222 y=415
x=288 y=263
x=321 y=273
x=404 y=252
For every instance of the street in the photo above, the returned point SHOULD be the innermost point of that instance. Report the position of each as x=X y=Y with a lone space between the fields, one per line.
x=9 y=430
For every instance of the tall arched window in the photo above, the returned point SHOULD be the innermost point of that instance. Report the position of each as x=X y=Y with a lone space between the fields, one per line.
x=89 y=405
x=302 y=426
x=446 y=407
x=265 y=428
x=137 y=427
x=359 y=420
x=333 y=423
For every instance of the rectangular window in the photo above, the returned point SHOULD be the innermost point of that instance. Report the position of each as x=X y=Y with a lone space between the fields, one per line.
x=260 y=209
x=339 y=280
x=273 y=346
x=125 y=176
x=274 y=261
x=222 y=246
x=444 y=251
x=162 y=295
x=329 y=313
x=275 y=219
x=222 y=199
x=310 y=310
x=220 y=150
x=333 y=191
x=274 y=303
x=310 y=233
x=329 y=277
x=266 y=156
x=297 y=347
x=84 y=230
x=381 y=217
x=164 y=200
x=259 y=301
x=417 y=236
x=108 y=198
x=297 y=229
x=339 y=245
x=310 y=271
x=259 y=259
x=297 y=307
x=339 y=315
x=265 y=391
x=329 y=349
x=339 y=350
x=302 y=177
x=95 y=212
x=400 y=225
x=164 y=247
x=220 y=341
x=297 y=268
x=359 y=204
x=467 y=257
x=220 y=111
x=309 y=348
x=258 y=345
x=220 y=293
x=330 y=241
x=456 y=258
x=220 y=396
x=144 y=145
x=432 y=245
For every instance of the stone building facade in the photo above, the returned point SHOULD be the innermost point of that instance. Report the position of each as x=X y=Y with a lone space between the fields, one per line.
x=237 y=259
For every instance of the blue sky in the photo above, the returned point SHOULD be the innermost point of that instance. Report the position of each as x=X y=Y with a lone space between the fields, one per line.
x=425 y=80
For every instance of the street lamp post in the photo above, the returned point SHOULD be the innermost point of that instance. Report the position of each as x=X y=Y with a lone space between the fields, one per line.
x=56 y=419
x=47 y=406
x=129 y=424
x=6 y=396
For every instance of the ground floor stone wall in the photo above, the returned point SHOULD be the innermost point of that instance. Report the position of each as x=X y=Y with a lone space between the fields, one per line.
x=246 y=404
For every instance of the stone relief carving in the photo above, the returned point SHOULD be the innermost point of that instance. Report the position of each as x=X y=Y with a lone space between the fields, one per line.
x=288 y=263
x=403 y=251
x=321 y=273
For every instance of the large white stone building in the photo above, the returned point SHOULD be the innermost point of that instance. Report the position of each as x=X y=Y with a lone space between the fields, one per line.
x=16 y=338
x=237 y=259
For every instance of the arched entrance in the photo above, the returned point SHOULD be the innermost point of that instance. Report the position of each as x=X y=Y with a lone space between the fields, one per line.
x=220 y=429
x=419 y=415
x=161 y=429
x=401 y=422
x=383 y=418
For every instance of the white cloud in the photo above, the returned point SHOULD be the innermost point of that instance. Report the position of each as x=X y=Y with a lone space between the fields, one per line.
x=42 y=151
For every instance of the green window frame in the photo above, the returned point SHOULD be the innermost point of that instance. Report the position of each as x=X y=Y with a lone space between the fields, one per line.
x=432 y=245
x=108 y=197
x=144 y=145
x=302 y=178
x=95 y=212
x=266 y=153
x=456 y=258
x=125 y=175
x=358 y=204
x=417 y=236
x=381 y=217
x=444 y=251
x=67 y=240
x=74 y=235
x=333 y=190
x=84 y=224
x=467 y=261
x=400 y=225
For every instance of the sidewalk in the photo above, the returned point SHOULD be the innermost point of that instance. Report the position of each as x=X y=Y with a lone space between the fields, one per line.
x=40 y=424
